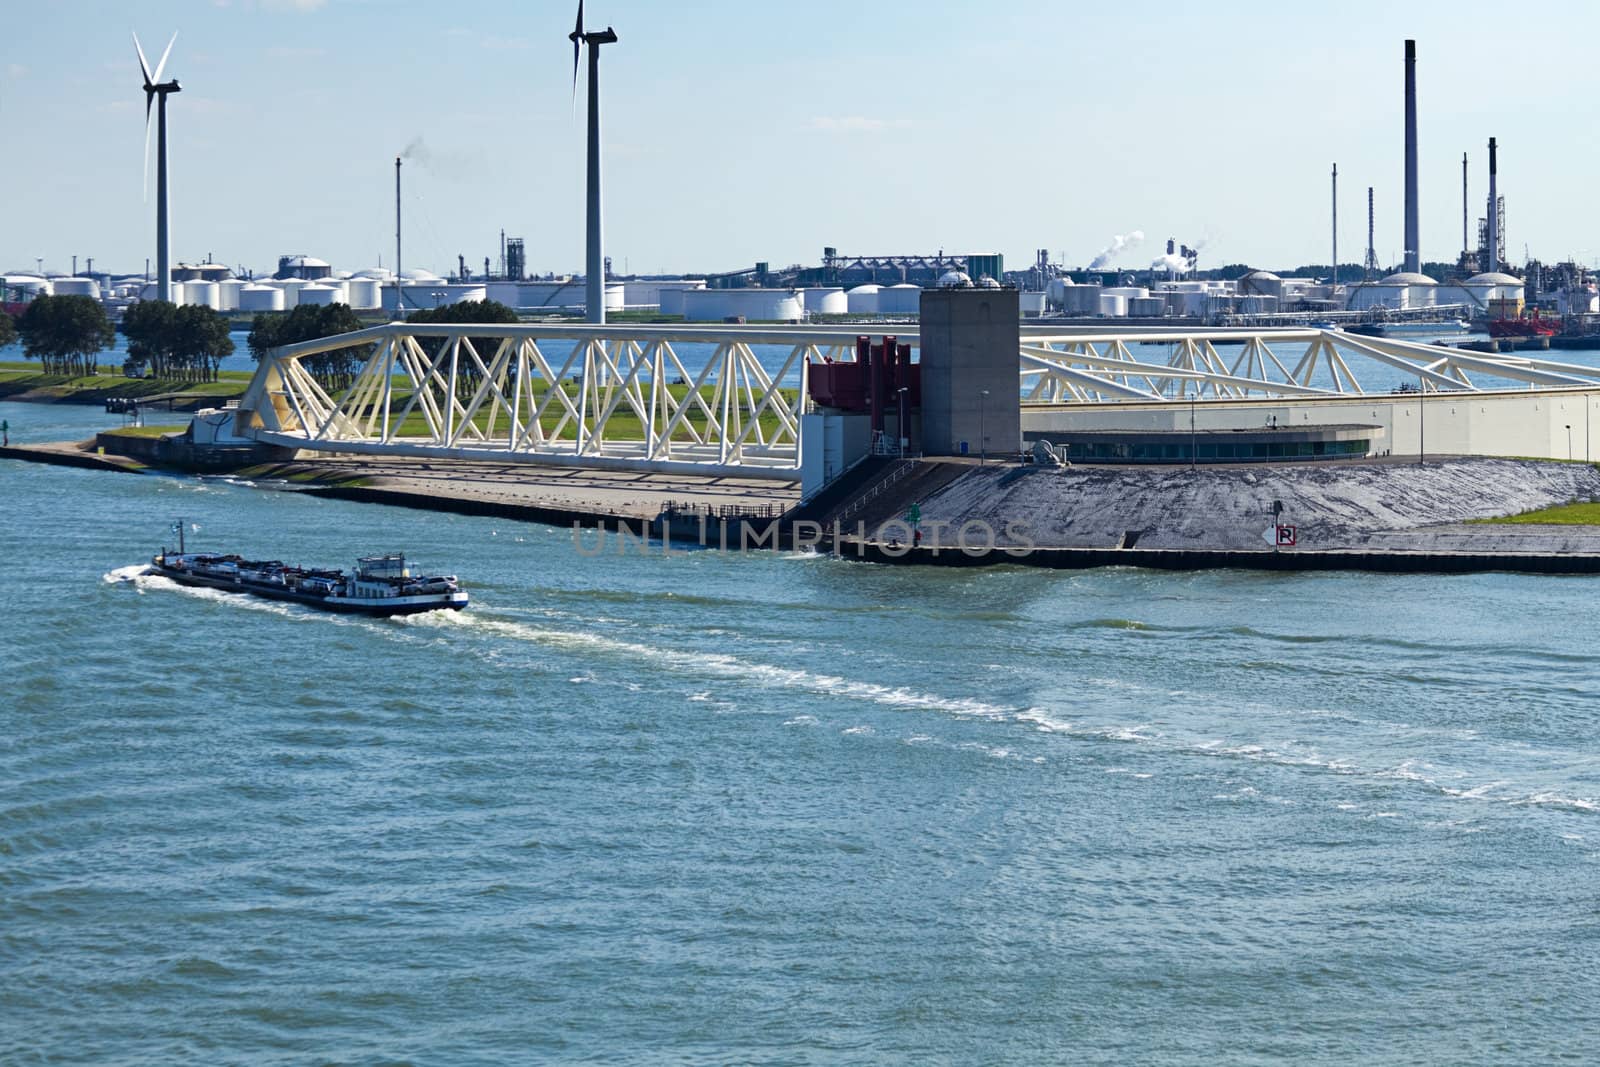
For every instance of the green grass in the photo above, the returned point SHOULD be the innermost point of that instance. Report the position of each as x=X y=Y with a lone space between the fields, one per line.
x=1574 y=514
x=143 y=431
x=18 y=377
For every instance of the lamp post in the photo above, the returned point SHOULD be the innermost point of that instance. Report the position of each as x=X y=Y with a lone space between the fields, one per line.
x=1569 y=442
x=983 y=440
x=1422 y=439
x=1194 y=452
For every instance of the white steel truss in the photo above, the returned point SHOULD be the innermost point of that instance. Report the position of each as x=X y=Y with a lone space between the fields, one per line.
x=1102 y=367
x=615 y=396
x=573 y=395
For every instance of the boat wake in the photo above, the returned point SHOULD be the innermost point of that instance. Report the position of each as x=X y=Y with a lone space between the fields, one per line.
x=719 y=665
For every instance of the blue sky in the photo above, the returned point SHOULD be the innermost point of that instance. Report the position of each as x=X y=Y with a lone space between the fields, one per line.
x=745 y=131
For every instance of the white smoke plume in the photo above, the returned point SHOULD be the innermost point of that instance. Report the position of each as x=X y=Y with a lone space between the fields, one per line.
x=417 y=150
x=1171 y=261
x=1119 y=243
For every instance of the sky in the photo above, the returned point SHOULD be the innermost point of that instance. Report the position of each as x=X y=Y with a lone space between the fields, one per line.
x=741 y=131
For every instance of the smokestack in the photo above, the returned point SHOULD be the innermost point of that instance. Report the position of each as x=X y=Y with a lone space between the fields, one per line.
x=397 y=232
x=1494 y=215
x=1465 y=247
x=1413 y=254
x=1370 y=263
x=1336 y=225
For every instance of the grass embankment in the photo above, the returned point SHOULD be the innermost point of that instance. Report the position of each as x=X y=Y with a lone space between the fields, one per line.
x=1575 y=514
x=17 y=379
x=142 y=431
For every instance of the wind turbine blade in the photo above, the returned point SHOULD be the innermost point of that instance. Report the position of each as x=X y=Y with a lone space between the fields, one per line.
x=577 y=49
x=161 y=66
x=144 y=67
x=148 y=97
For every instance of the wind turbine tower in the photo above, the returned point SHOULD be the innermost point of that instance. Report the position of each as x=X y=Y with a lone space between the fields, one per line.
x=154 y=87
x=595 y=271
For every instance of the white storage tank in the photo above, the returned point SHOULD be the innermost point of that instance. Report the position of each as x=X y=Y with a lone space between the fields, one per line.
x=228 y=293
x=902 y=299
x=1055 y=292
x=863 y=299
x=1113 y=305
x=363 y=294
x=203 y=294
x=290 y=287
x=75 y=287
x=1261 y=283
x=753 y=305
x=318 y=295
x=1032 y=304
x=261 y=298
x=1132 y=292
x=1147 y=307
x=825 y=300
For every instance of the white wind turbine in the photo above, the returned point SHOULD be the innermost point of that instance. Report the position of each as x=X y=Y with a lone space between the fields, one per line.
x=154 y=87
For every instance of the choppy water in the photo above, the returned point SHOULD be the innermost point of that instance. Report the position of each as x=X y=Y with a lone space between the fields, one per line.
x=776 y=809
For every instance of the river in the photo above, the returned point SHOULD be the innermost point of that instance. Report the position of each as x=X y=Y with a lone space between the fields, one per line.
x=774 y=808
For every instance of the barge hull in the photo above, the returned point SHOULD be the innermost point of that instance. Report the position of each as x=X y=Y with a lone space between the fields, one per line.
x=401 y=605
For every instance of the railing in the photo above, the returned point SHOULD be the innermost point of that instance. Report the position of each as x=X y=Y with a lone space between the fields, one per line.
x=896 y=474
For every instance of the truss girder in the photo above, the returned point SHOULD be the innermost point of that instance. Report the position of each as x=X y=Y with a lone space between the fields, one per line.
x=569 y=393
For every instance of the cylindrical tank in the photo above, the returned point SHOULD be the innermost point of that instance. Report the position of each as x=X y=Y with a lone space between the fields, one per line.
x=1147 y=307
x=1031 y=303
x=1055 y=292
x=203 y=294
x=76 y=287
x=753 y=305
x=863 y=299
x=291 y=290
x=362 y=294
x=825 y=300
x=903 y=299
x=228 y=293
x=1113 y=305
x=318 y=295
x=261 y=298
x=1132 y=292
x=1081 y=300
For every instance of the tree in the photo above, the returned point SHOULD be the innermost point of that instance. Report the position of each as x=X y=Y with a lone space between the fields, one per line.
x=312 y=322
x=8 y=330
x=469 y=311
x=176 y=342
x=65 y=333
x=148 y=326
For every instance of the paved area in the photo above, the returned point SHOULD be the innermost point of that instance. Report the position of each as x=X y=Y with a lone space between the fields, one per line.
x=623 y=493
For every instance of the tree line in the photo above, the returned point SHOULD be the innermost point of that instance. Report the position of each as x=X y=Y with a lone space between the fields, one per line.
x=189 y=342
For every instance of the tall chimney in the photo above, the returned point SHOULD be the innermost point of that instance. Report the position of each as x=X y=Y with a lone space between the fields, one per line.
x=1465 y=247
x=1336 y=225
x=1413 y=254
x=397 y=231
x=1372 y=253
x=1494 y=214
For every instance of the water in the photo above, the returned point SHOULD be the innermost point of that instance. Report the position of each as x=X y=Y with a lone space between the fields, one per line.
x=776 y=808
